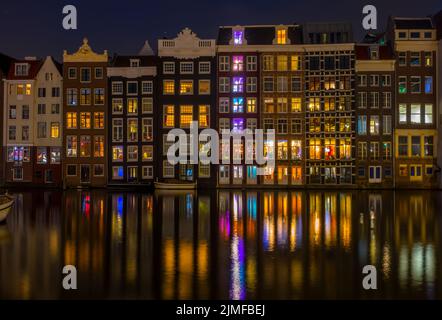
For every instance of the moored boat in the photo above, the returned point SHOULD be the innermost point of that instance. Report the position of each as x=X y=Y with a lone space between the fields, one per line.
x=6 y=202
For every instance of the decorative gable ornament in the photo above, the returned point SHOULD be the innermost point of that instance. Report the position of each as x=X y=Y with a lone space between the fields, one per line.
x=186 y=45
x=85 y=54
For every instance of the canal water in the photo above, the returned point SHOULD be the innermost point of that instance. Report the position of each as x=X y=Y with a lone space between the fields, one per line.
x=223 y=244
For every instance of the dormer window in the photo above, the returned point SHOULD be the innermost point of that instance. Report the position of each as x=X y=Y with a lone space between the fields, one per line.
x=281 y=36
x=238 y=37
x=374 y=53
x=21 y=69
x=134 y=63
x=428 y=35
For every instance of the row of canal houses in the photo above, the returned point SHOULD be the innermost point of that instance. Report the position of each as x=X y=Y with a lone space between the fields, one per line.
x=363 y=114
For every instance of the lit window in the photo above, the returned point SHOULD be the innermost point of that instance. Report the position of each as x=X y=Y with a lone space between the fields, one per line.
x=296 y=149
x=42 y=155
x=295 y=63
x=415 y=113
x=429 y=84
x=71 y=120
x=204 y=86
x=238 y=124
x=238 y=37
x=99 y=146
x=281 y=36
x=374 y=125
x=99 y=120
x=132 y=105
x=132 y=130
x=117 y=106
x=315 y=149
x=345 y=148
x=169 y=116
x=428 y=59
x=238 y=105
x=251 y=105
x=281 y=63
x=168 y=87
x=147 y=153
x=402 y=113
x=55 y=129
x=428 y=146
x=204 y=119
x=415 y=59
x=71 y=146
x=85 y=146
x=402 y=83
x=28 y=89
x=55 y=155
x=186 y=116
x=428 y=114
x=117 y=173
x=330 y=149
x=186 y=87
x=238 y=63
x=117 y=153
x=296 y=105
x=238 y=84
x=85 y=120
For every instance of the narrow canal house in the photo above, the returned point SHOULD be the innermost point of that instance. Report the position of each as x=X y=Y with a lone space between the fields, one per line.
x=438 y=23
x=132 y=94
x=238 y=99
x=415 y=46
x=329 y=101
x=374 y=110
x=85 y=117
x=18 y=130
x=5 y=64
x=47 y=118
x=281 y=99
x=187 y=86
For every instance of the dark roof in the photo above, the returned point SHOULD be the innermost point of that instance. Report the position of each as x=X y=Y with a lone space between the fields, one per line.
x=34 y=67
x=5 y=63
x=362 y=52
x=58 y=65
x=259 y=35
x=413 y=23
x=374 y=38
x=124 y=61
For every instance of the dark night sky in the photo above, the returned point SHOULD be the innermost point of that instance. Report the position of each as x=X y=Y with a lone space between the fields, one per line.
x=34 y=27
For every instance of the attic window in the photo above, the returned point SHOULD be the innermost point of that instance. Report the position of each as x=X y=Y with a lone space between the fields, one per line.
x=428 y=35
x=134 y=63
x=238 y=37
x=374 y=53
x=414 y=35
x=281 y=36
x=21 y=69
x=402 y=35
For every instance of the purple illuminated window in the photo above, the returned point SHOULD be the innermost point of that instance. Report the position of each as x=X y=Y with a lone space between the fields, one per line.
x=237 y=37
x=238 y=105
x=238 y=84
x=238 y=124
x=238 y=63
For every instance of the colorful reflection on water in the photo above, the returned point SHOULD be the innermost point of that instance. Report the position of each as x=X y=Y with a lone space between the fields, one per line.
x=223 y=244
